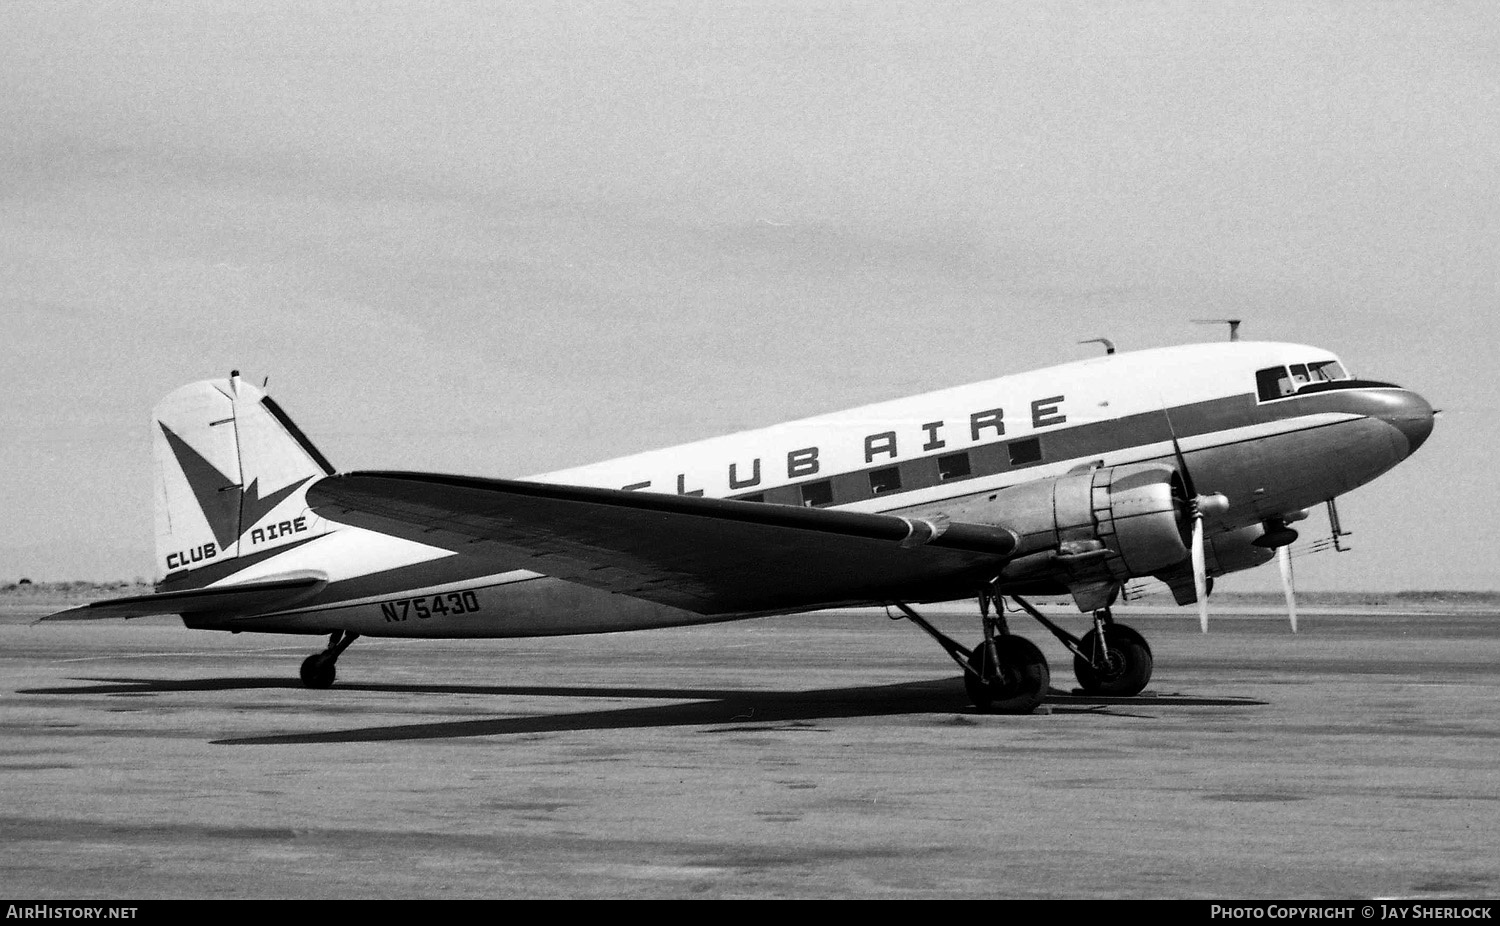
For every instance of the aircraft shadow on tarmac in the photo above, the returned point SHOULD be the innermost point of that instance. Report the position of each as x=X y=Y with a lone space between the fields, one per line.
x=721 y=710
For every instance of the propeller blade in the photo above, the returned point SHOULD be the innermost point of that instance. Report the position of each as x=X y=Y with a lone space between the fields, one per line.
x=1200 y=572
x=1197 y=507
x=1182 y=467
x=1284 y=560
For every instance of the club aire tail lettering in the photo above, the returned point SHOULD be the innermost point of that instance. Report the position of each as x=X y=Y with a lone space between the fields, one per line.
x=181 y=558
x=804 y=461
x=276 y=531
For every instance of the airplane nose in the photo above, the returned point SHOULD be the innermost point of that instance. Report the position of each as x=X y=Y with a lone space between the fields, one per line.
x=1410 y=414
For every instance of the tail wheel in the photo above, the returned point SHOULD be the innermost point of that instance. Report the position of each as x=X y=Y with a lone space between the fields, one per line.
x=1017 y=685
x=1123 y=671
x=318 y=671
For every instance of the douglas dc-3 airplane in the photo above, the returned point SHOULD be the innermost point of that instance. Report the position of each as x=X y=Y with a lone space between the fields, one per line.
x=1181 y=463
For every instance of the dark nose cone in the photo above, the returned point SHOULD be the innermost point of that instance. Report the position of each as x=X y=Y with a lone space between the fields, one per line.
x=1410 y=414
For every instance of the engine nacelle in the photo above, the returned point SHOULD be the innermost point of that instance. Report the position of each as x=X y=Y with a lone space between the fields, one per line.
x=1223 y=553
x=1234 y=550
x=1106 y=525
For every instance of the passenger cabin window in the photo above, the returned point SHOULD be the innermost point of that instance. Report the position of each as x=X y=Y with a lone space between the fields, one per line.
x=817 y=494
x=1027 y=451
x=953 y=466
x=885 y=480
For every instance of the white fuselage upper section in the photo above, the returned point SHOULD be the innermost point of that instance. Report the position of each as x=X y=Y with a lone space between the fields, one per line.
x=945 y=422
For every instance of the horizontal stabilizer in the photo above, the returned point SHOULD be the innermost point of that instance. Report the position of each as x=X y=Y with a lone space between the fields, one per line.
x=249 y=596
x=711 y=556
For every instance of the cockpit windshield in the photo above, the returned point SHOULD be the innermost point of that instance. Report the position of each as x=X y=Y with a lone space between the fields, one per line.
x=1326 y=371
x=1280 y=382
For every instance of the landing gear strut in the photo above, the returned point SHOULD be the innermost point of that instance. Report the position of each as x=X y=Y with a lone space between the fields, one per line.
x=319 y=669
x=1005 y=674
x=1110 y=660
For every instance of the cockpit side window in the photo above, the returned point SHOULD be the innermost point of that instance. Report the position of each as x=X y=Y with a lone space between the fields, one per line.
x=1274 y=383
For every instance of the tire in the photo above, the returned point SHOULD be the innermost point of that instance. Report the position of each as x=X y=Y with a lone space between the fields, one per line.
x=318 y=671
x=1023 y=678
x=1129 y=668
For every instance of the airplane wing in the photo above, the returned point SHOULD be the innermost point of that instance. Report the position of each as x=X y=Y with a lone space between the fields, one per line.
x=247 y=596
x=710 y=556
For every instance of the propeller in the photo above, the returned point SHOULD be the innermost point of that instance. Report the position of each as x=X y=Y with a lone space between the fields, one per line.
x=1284 y=560
x=1280 y=537
x=1198 y=506
x=1200 y=569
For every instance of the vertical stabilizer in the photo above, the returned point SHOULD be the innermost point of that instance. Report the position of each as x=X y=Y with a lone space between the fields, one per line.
x=231 y=476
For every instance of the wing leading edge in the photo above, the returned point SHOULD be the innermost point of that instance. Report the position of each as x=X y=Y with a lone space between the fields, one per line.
x=710 y=556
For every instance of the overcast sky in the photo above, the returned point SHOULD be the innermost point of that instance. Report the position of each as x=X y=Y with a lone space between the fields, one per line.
x=502 y=238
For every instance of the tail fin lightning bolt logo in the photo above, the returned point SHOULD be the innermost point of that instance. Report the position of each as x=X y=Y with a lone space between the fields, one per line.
x=231 y=510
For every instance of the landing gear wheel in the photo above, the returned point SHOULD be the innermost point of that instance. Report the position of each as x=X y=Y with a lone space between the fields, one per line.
x=1124 y=672
x=318 y=671
x=1020 y=683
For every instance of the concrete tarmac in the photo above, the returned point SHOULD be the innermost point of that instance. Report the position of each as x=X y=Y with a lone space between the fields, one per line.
x=830 y=755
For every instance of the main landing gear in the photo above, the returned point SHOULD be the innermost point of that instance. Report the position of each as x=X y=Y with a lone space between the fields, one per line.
x=1112 y=659
x=1007 y=674
x=1004 y=674
x=319 y=669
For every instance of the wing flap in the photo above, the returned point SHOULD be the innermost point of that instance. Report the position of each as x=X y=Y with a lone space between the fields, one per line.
x=711 y=556
x=246 y=597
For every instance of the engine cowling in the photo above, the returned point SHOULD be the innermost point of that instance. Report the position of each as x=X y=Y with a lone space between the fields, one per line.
x=1105 y=526
x=1132 y=513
